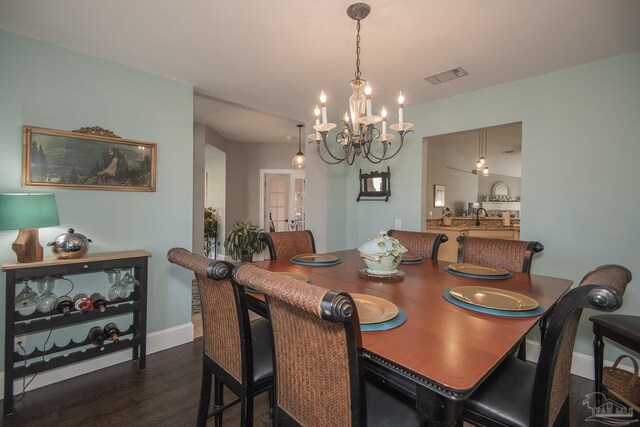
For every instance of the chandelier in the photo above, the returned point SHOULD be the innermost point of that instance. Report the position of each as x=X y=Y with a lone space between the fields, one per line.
x=481 y=164
x=298 y=160
x=358 y=133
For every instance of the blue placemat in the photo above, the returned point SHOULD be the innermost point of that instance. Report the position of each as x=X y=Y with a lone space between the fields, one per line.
x=478 y=276
x=389 y=324
x=315 y=264
x=503 y=313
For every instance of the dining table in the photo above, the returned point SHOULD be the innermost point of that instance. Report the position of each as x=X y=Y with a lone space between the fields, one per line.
x=442 y=352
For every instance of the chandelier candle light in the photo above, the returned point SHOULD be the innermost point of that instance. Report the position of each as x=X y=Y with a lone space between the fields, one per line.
x=358 y=127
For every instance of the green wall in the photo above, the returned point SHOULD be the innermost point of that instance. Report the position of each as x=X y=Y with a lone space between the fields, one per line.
x=48 y=86
x=580 y=171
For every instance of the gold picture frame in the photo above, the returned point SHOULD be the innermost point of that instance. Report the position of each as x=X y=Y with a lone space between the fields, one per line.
x=438 y=196
x=90 y=158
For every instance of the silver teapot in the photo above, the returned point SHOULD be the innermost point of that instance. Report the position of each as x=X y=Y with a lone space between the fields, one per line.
x=70 y=245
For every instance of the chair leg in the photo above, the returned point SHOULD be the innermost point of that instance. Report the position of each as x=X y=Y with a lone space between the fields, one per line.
x=218 y=390
x=522 y=350
x=272 y=406
x=205 y=394
x=246 y=417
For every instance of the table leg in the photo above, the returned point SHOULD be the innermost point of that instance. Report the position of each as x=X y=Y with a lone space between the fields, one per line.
x=598 y=358
x=439 y=409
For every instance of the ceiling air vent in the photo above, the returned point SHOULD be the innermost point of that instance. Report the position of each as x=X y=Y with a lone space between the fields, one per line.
x=445 y=76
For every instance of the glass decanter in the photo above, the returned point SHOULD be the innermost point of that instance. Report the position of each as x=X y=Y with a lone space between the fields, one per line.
x=48 y=301
x=130 y=283
x=26 y=300
x=117 y=291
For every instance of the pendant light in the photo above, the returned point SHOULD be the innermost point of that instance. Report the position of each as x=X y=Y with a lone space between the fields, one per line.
x=298 y=160
x=481 y=164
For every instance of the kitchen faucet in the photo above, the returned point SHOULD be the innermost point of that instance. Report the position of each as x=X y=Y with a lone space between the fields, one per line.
x=478 y=215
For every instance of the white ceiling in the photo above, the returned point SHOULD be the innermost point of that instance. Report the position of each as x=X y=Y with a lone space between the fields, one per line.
x=275 y=57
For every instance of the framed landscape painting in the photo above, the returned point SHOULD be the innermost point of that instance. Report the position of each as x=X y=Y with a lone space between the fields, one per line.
x=89 y=158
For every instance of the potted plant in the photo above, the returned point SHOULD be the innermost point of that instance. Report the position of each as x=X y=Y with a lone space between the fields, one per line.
x=242 y=241
x=210 y=230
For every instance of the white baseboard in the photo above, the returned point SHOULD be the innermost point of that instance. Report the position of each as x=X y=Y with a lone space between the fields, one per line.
x=156 y=341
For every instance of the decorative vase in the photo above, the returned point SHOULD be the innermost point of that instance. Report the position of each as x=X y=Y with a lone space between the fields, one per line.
x=446 y=220
x=246 y=257
x=382 y=254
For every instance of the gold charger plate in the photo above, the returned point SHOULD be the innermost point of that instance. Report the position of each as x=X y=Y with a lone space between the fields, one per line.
x=319 y=258
x=373 y=309
x=293 y=275
x=411 y=257
x=497 y=299
x=478 y=270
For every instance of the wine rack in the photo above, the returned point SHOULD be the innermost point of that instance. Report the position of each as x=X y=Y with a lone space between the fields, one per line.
x=18 y=365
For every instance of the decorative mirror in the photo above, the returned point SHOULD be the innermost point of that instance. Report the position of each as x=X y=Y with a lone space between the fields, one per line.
x=375 y=185
x=438 y=196
x=501 y=190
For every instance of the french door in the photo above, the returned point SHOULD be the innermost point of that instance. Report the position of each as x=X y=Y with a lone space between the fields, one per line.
x=283 y=205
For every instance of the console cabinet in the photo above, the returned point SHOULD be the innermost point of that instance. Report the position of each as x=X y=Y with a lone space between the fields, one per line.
x=134 y=337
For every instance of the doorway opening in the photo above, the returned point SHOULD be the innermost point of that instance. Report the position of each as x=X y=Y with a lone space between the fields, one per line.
x=212 y=194
x=282 y=196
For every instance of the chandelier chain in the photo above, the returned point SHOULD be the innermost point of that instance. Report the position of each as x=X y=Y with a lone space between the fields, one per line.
x=358 y=51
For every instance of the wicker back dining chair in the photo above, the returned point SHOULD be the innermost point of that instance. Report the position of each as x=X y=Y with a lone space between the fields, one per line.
x=419 y=243
x=538 y=396
x=237 y=352
x=318 y=357
x=286 y=244
x=512 y=255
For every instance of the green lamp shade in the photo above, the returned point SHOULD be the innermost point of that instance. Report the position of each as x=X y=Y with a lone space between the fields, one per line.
x=25 y=211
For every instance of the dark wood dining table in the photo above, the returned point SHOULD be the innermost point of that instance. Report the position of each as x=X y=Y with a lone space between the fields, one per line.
x=442 y=352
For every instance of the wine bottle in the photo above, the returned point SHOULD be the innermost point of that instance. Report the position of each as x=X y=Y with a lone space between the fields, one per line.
x=111 y=332
x=64 y=305
x=96 y=336
x=82 y=303
x=98 y=301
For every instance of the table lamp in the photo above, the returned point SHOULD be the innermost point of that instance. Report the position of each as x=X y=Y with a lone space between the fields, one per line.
x=28 y=213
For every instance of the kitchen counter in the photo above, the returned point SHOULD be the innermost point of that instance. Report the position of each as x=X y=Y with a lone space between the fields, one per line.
x=473 y=227
x=469 y=222
x=490 y=227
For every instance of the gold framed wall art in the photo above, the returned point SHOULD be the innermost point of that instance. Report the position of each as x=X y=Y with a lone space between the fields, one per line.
x=89 y=159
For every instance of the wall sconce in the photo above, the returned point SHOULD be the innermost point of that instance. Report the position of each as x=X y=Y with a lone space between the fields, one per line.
x=28 y=212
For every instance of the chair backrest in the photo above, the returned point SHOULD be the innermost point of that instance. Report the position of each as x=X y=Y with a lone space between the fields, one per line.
x=420 y=243
x=601 y=289
x=512 y=255
x=317 y=348
x=286 y=244
x=225 y=317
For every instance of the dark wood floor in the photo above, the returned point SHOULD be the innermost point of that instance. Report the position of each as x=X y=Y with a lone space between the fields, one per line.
x=165 y=394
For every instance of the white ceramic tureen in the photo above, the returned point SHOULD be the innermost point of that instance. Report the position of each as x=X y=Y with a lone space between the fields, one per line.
x=382 y=254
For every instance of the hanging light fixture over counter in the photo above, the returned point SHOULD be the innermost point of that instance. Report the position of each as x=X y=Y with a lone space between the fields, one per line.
x=298 y=160
x=358 y=127
x=481 y=164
